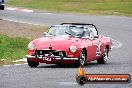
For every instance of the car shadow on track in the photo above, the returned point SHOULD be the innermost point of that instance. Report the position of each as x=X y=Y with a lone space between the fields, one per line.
x=89 y=65
x=93 y=64
x=57 y=66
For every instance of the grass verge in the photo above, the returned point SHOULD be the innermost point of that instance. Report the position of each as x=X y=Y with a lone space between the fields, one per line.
x=14 y=38
x=103 y=7
x=12 y=48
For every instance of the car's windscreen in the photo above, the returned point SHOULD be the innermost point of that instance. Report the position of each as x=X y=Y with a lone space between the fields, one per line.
x=65 y=31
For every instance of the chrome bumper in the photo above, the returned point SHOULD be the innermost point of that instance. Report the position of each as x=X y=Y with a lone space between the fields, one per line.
x=57 y=58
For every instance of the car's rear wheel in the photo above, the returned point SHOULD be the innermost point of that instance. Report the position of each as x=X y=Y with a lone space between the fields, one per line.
x=33 y=63
x=82 y=59
x=2 y=7
x=104 y=57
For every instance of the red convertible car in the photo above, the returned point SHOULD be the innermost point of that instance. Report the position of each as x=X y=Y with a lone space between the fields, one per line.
x=69 y=43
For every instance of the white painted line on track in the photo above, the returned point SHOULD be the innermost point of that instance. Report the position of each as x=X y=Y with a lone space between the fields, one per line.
x=24 y=60
x=17 y=64
x=6 y=65
x=19 y=9
x=67 y=83
x=9 y=8
x=14 y=65
x=24 y=22
x=23 y=10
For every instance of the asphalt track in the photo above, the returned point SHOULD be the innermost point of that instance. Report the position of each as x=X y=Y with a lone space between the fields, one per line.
x=53 y=76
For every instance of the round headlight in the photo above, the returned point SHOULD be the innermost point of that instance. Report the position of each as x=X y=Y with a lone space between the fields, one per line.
x=31 y=46
x=73 y=48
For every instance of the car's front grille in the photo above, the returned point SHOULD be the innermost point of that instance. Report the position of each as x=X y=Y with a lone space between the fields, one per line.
x=50 y=52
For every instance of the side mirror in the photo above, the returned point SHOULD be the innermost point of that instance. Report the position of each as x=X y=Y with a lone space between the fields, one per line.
x=45 y=33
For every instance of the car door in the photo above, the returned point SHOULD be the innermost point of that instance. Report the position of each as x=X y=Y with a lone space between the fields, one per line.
x=95 y=42
x=91 y=47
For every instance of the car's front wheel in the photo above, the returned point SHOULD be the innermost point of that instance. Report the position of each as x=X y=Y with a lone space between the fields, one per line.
x=33 y=63
x=82 y=59
x=104 y=57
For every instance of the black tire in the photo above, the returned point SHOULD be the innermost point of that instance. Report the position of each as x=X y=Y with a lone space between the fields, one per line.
x=33 y=63
x=104 y=57
x=2 y=7
x=81 y=60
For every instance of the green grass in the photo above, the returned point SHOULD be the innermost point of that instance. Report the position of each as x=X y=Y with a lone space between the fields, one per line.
x=12 y=48
x=105 y=7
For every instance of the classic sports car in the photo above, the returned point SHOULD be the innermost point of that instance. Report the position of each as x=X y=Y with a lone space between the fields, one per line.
x=69 y=43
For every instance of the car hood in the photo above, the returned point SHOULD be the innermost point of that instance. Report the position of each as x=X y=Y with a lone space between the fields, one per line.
x=56 y=43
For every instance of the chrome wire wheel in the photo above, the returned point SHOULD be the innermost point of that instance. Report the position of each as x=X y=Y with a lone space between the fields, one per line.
x=82 y=58
x=104 y=57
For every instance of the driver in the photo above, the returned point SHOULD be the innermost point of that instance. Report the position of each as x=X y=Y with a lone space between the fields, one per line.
x=77 y=31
